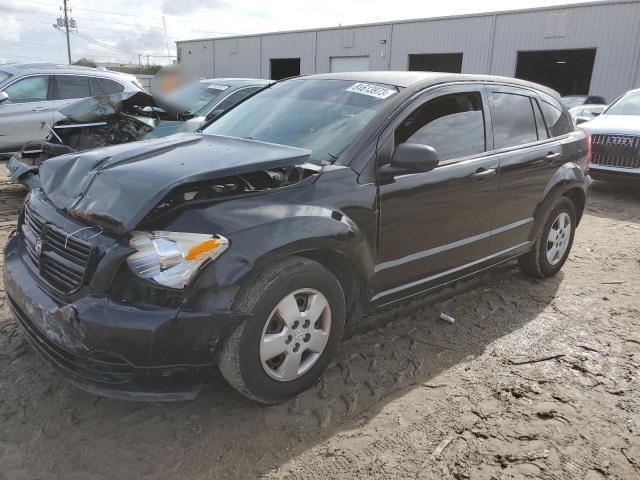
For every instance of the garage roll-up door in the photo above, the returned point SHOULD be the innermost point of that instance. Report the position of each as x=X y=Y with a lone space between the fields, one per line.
x=349 y=64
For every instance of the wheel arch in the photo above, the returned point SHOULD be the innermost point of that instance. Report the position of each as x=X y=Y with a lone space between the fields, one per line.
x=351 y=279
x=578 y=197
x=570 y=181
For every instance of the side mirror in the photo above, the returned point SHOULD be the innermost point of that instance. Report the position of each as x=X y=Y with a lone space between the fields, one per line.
x=3 y=96
x=411 y=158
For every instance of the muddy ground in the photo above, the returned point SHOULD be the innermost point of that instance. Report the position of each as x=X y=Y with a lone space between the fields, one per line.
x=536 y=379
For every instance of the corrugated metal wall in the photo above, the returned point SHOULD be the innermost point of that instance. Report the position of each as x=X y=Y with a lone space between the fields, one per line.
x=354 y=42
x=612 y=30
x=289 y=45
x=471 y=36
x=237 y=57
x=197 y=57
x=489 y=43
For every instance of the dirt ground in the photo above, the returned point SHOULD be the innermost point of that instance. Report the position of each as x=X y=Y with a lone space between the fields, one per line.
x=536 y=379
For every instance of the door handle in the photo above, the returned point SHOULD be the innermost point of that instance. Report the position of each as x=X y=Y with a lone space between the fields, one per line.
x=38 y=109
x=552 y=156
x=483 y=173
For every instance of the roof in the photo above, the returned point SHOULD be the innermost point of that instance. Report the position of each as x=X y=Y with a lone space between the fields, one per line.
x=14 y=68
x=424 y=19
x=237 y=82
x=425 y=79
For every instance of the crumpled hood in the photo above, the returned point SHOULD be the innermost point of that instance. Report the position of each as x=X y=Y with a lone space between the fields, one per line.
x=98 y=108
x=118 y=185
x=623 y=124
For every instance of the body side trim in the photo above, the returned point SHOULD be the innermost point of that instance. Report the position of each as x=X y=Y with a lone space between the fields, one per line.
x=450 y=246
x=447 y=272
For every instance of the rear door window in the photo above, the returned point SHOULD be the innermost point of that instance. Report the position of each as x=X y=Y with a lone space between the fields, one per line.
x=96 y=87
x=540 y=125
x=513 y=120
x=111 y=86
x=72 y=86
x=28 y=90
x=452 y=124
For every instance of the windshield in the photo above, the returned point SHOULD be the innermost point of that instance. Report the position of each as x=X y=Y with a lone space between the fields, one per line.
x=571 y=102
x=208 y=94
x=193 y=97
x=4 y=76
x=628 y=104
x=323 y=116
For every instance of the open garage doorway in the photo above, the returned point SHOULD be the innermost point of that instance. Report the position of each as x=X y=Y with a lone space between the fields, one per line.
x=567 y=71
x=284 y=68
x=436 y=62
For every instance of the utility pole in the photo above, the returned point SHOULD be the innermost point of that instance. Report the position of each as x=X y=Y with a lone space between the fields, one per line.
x=66 y=26
x=166 y=40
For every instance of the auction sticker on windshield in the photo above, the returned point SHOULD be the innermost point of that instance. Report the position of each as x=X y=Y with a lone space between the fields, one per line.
x=371 y=90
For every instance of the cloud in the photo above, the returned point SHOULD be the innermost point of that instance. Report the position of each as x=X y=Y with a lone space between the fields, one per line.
x=188 y=7
x=10 y=32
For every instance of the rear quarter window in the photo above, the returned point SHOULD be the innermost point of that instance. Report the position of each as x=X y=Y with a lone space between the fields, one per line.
x=558 y=122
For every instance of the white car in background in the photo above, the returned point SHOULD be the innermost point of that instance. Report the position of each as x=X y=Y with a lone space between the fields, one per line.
x=33 y=93
x=585 y=113
x=615 y=137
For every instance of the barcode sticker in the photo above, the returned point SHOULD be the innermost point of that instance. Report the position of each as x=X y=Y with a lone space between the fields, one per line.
x=371 y=90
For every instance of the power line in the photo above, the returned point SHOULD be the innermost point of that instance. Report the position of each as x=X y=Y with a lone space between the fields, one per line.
x=88 y=19
x=110 y=47
x=111 y=12
x=123 y=32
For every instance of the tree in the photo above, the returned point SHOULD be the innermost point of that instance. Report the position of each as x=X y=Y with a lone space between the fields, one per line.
x=85 y=62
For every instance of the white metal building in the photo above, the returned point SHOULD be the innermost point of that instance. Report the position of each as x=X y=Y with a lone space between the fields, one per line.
x=577 y=49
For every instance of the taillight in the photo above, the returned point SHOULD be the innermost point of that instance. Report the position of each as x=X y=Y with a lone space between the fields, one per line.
x=588 y=146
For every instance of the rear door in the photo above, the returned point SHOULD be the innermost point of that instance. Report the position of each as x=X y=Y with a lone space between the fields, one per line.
x=68 y=89
x=528 y=159
x=435 y=224
x=22 y=114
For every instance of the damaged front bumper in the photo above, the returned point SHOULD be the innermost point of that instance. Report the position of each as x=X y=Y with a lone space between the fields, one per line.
x=114 y=349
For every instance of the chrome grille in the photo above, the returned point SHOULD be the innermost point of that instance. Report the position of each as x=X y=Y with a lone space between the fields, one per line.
x=620 y=151
x=62 y=260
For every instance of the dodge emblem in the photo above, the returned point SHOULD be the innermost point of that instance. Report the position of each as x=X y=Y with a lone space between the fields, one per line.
x=38 y=248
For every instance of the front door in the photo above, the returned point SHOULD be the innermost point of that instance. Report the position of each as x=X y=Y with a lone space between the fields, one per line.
x=437 y=224
x=23 y=113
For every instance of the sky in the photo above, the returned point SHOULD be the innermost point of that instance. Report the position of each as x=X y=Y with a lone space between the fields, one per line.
x=123 y=31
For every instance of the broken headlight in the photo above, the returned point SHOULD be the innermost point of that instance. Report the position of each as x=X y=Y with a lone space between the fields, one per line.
x=172 y=258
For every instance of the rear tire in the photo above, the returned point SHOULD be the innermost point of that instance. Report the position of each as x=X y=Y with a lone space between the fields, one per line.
x=553 y=242
x=296 y=306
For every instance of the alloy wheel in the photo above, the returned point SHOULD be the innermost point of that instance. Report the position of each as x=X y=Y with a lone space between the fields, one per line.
x=558 y=238
x=295 y=334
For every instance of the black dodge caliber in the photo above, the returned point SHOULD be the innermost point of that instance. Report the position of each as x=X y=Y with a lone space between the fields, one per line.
x=138 y=269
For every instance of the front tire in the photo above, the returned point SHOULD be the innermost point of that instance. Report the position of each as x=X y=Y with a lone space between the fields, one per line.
x=553 y=243
x=298 y=314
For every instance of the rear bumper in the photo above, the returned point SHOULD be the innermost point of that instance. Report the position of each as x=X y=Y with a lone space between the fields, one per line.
x=112 y=349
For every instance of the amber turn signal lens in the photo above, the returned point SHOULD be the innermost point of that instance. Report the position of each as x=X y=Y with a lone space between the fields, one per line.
x=201 y=250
